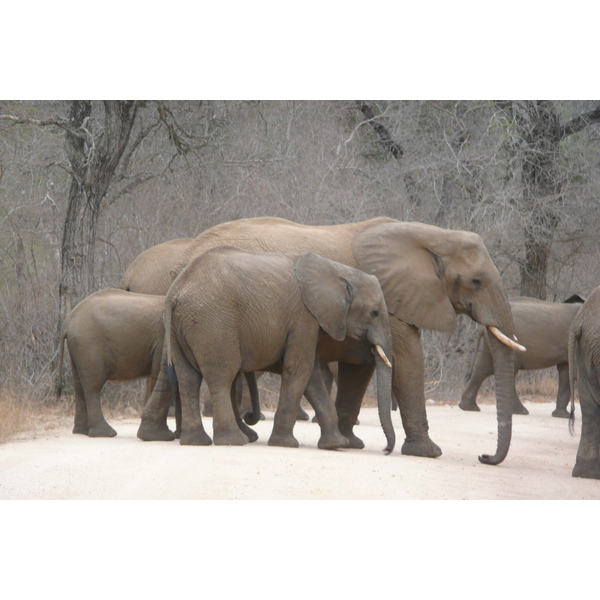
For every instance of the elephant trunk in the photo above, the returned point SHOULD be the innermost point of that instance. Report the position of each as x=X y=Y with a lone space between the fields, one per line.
x=503 y=358
x=382 y=350
x=384 y=402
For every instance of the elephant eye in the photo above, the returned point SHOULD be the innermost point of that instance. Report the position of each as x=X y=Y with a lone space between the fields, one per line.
x=476 y=282
x=374 y=313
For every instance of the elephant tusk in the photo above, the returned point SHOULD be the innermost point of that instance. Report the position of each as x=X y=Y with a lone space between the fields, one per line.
x=506 y=340
x=381 y=353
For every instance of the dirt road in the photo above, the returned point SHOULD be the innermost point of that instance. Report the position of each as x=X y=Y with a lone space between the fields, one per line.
x=56 y=464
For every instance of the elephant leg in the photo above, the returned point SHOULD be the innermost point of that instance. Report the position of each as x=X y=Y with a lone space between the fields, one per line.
x=317 y=394
x=564 y=392
x=81 y=416
x=483 y=367
x=153 y=426
x=328 y=381
x=243 y=396
x=408 y=385
x=97 y=425
x=149 y=387
x=353 y=381
x=192 y=428
x=587 y=463
x=221 y=383
x=298 y=364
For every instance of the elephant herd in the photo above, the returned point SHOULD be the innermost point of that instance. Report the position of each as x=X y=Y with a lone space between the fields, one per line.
x=267 y=294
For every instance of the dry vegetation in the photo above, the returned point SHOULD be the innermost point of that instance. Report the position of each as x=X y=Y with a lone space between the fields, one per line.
x=191 y=165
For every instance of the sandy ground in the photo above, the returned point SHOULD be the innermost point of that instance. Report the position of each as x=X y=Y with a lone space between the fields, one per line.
x=55 y=464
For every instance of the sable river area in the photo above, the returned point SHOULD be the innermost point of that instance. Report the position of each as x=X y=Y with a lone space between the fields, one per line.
x=55 y=464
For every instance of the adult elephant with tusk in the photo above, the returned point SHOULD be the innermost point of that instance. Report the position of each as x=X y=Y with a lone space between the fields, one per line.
x=428 y=275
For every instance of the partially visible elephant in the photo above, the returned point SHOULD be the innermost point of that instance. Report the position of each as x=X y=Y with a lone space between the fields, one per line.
x=111 y=335
x=543 y=328
x=234 y=311
x=428 y=275
x=584 y=373
x=149 y=273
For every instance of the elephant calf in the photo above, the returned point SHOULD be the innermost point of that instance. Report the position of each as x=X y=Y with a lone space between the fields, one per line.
x=111 y=335
x=232 y=311
x=543 y=328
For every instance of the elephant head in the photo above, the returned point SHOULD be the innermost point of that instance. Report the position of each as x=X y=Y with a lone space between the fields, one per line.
x=429 y=275
x=350 y=303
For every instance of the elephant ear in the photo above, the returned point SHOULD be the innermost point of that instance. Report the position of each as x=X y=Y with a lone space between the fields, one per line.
x=411 y=274
x=326 y=292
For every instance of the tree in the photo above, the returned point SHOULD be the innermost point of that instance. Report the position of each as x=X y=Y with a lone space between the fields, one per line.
x=94 y=157
x=537 y=136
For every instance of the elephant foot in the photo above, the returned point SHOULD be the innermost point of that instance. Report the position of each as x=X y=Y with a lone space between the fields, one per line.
x=102 y=430
x=469 y=406
x=302 y=415
x=561 y=413
x=207 y=411
x=286 y=441
x=177 y=434
x=314 y=419
x=519 y=409
x=230 y=438
x=354 y=441
x=333 y=441
x=587 y=470
x=82 y=429
x=195 y=438
x=154 y=432
x=422 y=446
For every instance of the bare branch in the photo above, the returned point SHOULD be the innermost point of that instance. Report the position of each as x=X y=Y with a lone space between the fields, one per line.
x=386 y=137
x=581 y=122
x=56 y=122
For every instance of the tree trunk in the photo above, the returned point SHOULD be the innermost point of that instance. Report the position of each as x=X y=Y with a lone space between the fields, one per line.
x=94 y=158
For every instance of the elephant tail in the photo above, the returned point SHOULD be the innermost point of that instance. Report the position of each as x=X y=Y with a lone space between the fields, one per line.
x=252 y=417
x=167 y=319
x=61 y=356
x=574 y=335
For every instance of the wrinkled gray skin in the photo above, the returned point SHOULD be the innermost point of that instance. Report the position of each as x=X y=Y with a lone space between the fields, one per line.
x=111 y=335
x=216 y=328
x=150 y=273
x=428 y=275
x=543 y=328
x=584 y=374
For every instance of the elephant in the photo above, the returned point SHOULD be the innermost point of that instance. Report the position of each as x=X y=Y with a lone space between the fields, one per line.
x=155 y=262
x=232 y=310
x=543 y=328
x=584 y=373
x=141 y=278
x=111 y=335
x=428 y=275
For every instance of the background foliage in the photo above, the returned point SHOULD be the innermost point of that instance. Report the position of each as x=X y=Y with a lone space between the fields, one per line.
x=523 y=175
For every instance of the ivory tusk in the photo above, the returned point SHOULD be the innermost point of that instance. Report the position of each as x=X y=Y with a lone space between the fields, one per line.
x=381 y=353
x=506 y=340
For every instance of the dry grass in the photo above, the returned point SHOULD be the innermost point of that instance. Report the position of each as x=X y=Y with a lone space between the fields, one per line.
x=15 y=415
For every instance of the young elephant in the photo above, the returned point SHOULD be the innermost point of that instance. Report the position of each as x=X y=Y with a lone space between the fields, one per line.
x=543 y=328
x=584 y=370
x=111 y=335
x=232 y=311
